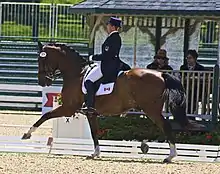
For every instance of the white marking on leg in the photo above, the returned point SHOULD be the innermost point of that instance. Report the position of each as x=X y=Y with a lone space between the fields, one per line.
x=32 y=129
x=96 y=152
x=173 y=152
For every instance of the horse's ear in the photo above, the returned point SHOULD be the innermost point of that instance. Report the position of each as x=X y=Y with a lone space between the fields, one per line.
x=40 y=45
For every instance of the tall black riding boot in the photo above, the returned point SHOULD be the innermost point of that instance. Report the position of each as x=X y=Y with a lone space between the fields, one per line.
x=89 y=97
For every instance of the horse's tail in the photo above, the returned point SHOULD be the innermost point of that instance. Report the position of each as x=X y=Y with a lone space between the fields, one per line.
x=175 y=94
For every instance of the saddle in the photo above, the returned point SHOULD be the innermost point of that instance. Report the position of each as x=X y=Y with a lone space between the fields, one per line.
x=104 y=85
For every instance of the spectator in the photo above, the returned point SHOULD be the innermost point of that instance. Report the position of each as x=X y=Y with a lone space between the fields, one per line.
x=160 y=61
x=192 y=65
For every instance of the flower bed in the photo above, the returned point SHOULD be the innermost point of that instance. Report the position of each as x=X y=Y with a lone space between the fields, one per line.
x=137 y=128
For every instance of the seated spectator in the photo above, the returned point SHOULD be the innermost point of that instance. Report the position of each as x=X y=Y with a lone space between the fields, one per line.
x=192 y=65
x=160 y=61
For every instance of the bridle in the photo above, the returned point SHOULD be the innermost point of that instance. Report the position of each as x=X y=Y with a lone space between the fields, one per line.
x=54 y=73
x=53 y=76
x=47 y=69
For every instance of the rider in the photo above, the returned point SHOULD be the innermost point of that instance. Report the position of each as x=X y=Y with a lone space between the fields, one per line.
x=110 y=62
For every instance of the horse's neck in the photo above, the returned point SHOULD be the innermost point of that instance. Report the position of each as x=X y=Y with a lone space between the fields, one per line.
x=72 y=73
x=71 y=76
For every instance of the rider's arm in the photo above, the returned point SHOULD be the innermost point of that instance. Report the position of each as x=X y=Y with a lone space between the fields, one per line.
x=111 y=49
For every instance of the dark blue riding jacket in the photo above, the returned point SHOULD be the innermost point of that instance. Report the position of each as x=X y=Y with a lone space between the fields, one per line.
x=110 y=62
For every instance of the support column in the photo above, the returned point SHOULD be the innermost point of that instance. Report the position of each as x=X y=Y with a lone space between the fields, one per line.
x=92 y=37
x=215 y=97
x=186 y=38
x=135 y=42
x=94 y=23
x=158 y=33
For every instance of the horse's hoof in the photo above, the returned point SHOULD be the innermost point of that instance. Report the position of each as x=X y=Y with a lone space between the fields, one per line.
x=144 y=148
x=26 y=136
x=166 y=161
x=89 y=157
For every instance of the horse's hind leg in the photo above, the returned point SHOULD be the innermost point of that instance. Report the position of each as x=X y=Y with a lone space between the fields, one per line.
x=165 y=126
x=167 y=129
x=93 y=123
x=58 y=112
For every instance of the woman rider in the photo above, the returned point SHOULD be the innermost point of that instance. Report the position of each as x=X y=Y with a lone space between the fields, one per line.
x=110 y=63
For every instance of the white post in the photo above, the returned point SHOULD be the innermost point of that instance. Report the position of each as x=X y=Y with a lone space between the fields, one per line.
x=135 y=41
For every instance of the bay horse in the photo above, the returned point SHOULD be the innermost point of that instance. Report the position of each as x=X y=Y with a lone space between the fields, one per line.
x=136 y=88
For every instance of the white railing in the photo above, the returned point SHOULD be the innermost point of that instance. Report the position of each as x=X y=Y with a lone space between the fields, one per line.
x=40 y=20
x=199 y=87
x=108 y=148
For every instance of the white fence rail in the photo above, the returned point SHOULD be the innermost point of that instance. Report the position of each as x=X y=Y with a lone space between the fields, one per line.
x=109 y=148
x=40 y=20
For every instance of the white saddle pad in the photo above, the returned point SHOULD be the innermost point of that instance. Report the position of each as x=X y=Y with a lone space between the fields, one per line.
x=104 y=89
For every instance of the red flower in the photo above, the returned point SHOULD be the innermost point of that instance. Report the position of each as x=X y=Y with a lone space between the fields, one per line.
x=100 y=132
x=208 y=137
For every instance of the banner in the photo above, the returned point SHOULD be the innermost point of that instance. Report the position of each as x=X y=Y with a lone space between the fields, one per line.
x=48 y=95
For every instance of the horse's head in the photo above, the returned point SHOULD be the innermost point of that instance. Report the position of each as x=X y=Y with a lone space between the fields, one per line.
x=56 y=59
x=48 y=64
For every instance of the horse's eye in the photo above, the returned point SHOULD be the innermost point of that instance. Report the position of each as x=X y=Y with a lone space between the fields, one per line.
x=43 y=54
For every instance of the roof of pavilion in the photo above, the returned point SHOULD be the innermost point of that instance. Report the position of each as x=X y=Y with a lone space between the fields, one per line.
x=210 y=8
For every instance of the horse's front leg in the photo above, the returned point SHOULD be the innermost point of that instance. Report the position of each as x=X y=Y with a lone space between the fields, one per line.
x=58 y=112
x=93 y=123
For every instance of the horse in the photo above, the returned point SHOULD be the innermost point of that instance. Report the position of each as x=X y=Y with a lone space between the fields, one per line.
x=135 y=88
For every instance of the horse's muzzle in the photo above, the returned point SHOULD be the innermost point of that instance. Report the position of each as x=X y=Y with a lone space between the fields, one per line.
x=43 y=81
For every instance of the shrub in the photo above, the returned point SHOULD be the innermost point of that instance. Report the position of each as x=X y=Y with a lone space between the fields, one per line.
x=137 y=128
x=65 y=32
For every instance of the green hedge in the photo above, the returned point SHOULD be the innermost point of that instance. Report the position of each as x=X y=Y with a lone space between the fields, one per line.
x=62 y=1
x=137 y=128
x=65 y=31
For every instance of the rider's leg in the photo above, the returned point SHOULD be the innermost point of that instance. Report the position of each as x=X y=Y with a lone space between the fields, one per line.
x=94 y=75
x=90 y=96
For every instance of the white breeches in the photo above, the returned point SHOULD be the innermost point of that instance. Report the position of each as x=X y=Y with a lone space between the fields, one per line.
x=95 y=74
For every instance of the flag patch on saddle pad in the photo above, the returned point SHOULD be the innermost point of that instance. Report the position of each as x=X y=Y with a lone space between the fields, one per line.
x=104 y=89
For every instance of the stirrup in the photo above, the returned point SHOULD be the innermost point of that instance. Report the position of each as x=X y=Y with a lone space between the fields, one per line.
x=89 y=110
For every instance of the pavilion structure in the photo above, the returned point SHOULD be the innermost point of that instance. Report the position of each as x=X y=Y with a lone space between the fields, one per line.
x=152 y=24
